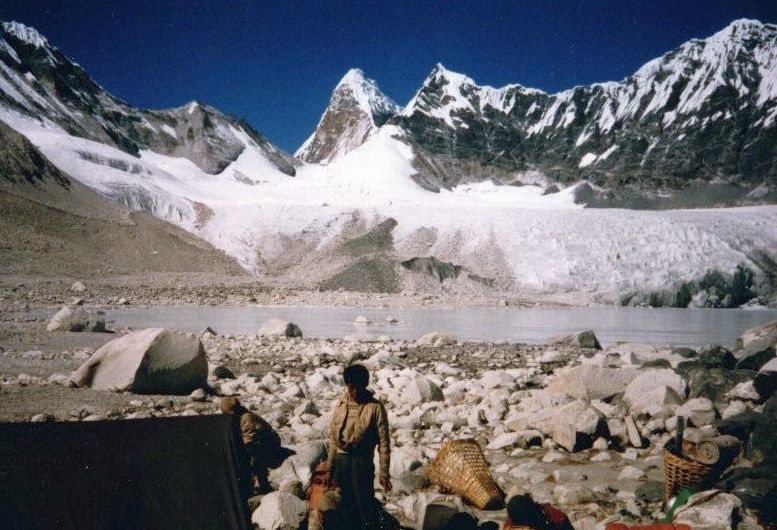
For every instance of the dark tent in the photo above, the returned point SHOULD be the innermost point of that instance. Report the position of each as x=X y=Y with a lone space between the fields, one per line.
x=186 y=472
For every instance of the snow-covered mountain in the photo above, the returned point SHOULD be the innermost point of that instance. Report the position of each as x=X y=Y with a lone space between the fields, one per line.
x=353 y=222
x=38 y=81
x=356 y=110
x=698 y=124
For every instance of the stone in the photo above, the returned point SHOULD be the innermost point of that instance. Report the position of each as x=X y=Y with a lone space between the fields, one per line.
x=763 y=441
x=436 y=338
x=635 y=438
x=421 y=390
x=70 y=318
x=649 y=492
x=604 y=456
x=650 y=379
x=714 y=383
x=755 y=355
x=198 y=395
x=744 y=391
x=767 y=332
x=698 y=411
x=765 y=381
x=42 y=418
x=740 y=425
x=572 y=494
x=591 y=382
x=631 y=473
x=582 y=339
x=222 y=372
x=716 y=356
x=279 y=511
x=276 y=327
x=361 y=319
x=617 y=429
x=568 y=474
x=508 y=439
x=659 y=401
x=710 y=510
x=148 y=361
x=78 y=287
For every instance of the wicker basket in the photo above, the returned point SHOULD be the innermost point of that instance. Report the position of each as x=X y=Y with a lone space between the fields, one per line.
x=680 y=473
x=461 y=468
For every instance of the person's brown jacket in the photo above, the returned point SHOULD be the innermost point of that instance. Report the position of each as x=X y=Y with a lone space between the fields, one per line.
x=371 y=429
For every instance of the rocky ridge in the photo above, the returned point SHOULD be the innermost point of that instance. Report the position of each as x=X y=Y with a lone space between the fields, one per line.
x=695 y=127
x=38 y=81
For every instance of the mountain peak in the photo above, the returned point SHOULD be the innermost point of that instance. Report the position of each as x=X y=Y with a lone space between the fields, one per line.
x=355 y=111
x=25 y=34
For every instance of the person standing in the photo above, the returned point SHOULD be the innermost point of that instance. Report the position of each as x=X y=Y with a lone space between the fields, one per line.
x=359 y=425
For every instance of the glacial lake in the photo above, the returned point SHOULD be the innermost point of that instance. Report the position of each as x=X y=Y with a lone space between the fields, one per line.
x=676 y=327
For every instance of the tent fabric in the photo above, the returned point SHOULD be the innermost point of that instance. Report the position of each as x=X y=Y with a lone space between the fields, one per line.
x=185 y=472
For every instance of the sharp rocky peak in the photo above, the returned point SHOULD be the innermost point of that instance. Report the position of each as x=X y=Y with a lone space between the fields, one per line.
x=25 y=34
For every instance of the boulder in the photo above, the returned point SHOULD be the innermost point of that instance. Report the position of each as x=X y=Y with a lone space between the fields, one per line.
x=74 y=318
x=755 y=356
x=280 y=511
x=756 y=487
x=361 y=319
x=710 y=510
x=714 y=383
x=698 y=411
x=582 y=339
x=716 y=356
x=147 y=361
x=650 y=379
x=768 y=332
x=436 y=338
x=763 y=442
x=765 y=381
x=78 y=287
x=276 y=327
x=421 y=390
x=660 y=401
x=589 y=381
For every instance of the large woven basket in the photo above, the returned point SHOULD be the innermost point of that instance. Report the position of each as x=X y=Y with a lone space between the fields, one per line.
x=680 y=473
x=461 y=468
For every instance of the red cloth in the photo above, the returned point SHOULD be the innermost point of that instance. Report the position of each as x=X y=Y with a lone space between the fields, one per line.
x=557 y=520
x=624 y=526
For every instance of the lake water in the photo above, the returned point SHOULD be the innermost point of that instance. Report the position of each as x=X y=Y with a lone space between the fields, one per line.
x=677 y=327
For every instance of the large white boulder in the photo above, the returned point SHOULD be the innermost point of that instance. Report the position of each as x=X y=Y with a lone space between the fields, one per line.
x=590 y=382
x=276 y=327
x=648 y=380
x=436 y=338
x=660 y=401
x=147 y=361
x=279 y=511
x=582 y=339
x=421 y=390
x=74 y=318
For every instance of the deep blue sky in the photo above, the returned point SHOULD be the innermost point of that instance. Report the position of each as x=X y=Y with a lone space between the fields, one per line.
x=276 y=62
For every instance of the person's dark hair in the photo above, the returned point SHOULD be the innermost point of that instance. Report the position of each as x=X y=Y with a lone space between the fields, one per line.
x=356 y=375
x=523 y=511
x=488 y=525
x=462 y=521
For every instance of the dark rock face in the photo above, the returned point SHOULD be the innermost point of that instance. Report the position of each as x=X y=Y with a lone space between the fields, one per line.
x=47 y=85
x=716 y=356
x=740 y=425
x=696 y=124
x=439 y=270
x=712 y=383
x=20 y=161
x=763 y=442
